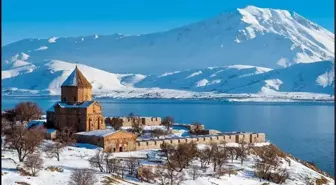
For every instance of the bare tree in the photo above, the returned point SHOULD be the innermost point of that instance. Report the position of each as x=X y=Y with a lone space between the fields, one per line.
x=113 y=165
x=179 y=157
x=232 y=152
x=27 y=111
x=34 y=163
x=242 y=151
x=97 y=160
x=168 y=175
x=137 y=126
x=116 y=123
x=9 y=115
x=168 y=122
x=156 y=133
x=203 y=157
x=82 y=177
x=268 y=162
x=195 y=171
x=121 y=169
x=146 y=174
x=220 y=157
x=131 y=164
x=66 y=135
x=161 y=176
x=54 y=150
x=108 y=162
x=23 y=141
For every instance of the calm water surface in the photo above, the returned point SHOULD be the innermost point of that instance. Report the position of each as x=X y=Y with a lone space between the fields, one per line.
x=305 y=130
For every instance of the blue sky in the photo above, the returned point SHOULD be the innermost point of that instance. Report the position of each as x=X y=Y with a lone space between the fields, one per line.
x=45 y=18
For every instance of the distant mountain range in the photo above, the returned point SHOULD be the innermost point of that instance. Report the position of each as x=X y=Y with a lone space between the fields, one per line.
x=317 y=77
x=294 y=55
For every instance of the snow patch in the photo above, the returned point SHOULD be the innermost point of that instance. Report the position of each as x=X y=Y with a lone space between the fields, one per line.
x=41 y=48
x=202 y=83
x=194 y=74
x=326 y=79
x=52 y=39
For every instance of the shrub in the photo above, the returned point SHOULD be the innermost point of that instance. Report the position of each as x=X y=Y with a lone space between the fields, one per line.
x=33 y=163
x=82 y=177
x=321 y=181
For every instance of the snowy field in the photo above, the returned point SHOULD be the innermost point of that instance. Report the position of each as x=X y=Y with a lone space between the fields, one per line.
x=77 y=157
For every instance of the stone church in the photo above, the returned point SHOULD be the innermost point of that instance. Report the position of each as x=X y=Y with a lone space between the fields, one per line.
x=76 y=108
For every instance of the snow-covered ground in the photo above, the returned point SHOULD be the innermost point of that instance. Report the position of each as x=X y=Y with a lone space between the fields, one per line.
x=77 y=157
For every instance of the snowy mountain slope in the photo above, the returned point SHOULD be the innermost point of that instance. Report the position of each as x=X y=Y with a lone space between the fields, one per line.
x=248 y=36
x=52 y=74
x=315 y=77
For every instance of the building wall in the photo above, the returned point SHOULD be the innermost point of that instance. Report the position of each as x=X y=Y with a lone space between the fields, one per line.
x=75 y=94
x=82 y=119
x=95 y=118
x=121 y=144
x=149 y=121
x=117 y=142
x=84 y=94
x=230 y=138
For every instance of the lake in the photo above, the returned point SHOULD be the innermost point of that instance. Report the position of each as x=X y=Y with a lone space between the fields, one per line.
x=306 y=130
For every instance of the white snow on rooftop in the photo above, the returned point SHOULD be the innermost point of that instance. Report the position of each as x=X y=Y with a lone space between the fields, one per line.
x=36 y=123
x=71 y=80
x=80 y=105
x=65 y=105
x=99 y=133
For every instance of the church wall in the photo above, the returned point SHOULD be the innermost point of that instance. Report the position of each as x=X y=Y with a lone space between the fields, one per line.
x=84 y=94
x=69 y=93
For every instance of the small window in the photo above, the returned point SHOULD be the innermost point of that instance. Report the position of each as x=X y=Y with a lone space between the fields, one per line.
x=64 y=98
x=75 y=99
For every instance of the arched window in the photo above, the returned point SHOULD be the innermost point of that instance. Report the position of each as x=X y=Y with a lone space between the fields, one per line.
x=90 y=121
x=64 y=98
x=75 y=99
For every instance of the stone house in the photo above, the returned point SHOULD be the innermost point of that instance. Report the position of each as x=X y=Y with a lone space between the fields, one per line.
x=109 y=140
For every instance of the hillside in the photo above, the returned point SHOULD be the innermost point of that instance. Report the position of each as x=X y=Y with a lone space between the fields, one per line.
x=315 y=77
x=302 y=81
x=253 y=36
x=78 y=156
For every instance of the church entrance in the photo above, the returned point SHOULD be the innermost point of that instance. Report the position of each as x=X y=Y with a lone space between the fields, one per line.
x=120 y=149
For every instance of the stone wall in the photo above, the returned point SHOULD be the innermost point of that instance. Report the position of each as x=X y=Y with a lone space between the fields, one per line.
x=148 y=121
x=228 y=138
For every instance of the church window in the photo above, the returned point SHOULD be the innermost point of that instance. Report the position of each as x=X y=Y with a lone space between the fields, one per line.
x=64 y=98
x=75 y=99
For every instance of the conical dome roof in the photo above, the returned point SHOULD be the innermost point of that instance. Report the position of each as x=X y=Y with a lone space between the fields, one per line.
x=77 y=79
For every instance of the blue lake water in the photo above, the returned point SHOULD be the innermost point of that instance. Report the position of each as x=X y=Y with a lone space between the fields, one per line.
x=306 y=130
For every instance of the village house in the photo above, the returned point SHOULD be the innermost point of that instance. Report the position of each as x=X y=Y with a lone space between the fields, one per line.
x=109 y=140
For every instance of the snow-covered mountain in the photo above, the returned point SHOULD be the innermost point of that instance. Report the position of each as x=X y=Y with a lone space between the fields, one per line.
x=50 y=76
x=249 y=36
x=315 y=77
